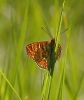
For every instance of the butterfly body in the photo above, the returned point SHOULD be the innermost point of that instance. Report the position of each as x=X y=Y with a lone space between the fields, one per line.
x=41 y=52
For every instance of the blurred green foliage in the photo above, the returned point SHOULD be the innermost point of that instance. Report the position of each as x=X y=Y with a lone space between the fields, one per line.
x=29 y=77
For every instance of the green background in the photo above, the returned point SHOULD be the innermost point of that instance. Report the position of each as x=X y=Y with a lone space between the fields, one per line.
x=20 y=24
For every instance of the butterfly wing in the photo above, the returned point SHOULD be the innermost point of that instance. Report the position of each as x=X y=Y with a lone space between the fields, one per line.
x=58 y=54
x=42 y=64
x=42 y=55
x=31 y=49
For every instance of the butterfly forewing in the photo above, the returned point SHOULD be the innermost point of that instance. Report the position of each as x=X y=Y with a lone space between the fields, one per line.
x=31 y=49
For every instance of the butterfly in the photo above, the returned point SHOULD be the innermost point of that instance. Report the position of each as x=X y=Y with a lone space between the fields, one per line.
x=41 y=52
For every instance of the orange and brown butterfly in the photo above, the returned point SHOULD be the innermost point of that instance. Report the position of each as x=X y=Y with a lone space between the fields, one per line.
x=41 y=52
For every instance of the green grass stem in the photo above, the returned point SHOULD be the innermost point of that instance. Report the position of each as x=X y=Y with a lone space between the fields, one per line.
x=9 y=84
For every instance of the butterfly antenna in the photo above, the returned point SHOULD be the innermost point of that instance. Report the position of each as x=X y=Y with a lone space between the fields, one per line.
x=44 y=30
x=64 y=30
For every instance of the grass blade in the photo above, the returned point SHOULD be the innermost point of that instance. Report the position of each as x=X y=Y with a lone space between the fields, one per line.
x=59 y=27
x=10 y=84
x=20 y=46
x=79 y=86
x=62 y=78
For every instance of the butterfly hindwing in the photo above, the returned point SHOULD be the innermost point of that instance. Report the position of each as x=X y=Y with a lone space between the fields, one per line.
x=58 y=54
x=43 y=64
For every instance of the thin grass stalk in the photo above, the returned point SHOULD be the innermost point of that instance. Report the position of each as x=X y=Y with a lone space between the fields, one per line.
x=50 y=81
x=62 y=79
x=20 y=46
x=9 y=84
x=72 y=60
x=49 y=88
x=45 y=20
x=79 y=86
x=52 y=63
x=60 y=90
x=68 y=87
x=19 y=85
x=44 y=93
x=64 y=65
x=59 y=27
x=7 y=72
x=67 y=84
x=44 y=86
